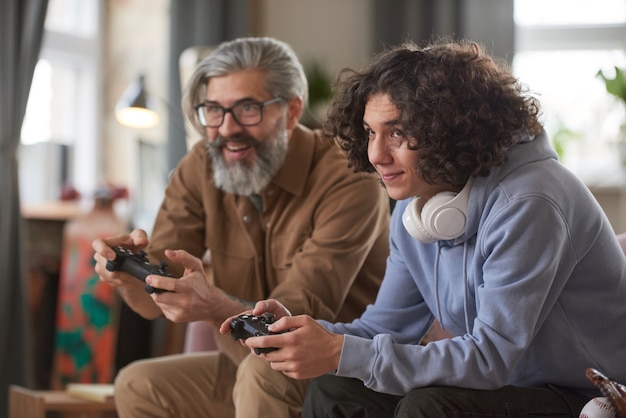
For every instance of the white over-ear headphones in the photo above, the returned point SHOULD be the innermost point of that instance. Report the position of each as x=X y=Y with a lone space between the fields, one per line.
x=441 y=217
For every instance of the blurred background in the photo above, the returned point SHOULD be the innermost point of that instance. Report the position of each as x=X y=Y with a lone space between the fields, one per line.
x=93 y=49
x=72 y=147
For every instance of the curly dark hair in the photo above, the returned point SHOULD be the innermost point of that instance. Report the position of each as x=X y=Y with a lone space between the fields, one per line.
x=460 y=108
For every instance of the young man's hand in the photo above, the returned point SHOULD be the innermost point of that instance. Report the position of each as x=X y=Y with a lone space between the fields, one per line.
x=305 y=349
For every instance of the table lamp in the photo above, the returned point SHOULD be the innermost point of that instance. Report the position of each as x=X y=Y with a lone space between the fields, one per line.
x=135 y=107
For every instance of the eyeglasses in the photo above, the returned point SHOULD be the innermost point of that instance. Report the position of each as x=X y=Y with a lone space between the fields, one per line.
x=211 y=115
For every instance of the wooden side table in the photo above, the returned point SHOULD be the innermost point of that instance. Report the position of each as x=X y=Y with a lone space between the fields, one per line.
x=27 y=403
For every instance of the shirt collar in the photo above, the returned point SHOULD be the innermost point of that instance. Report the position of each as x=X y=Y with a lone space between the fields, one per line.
x=292 y=176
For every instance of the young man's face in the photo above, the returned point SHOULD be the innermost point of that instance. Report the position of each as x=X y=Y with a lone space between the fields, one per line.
x=245 y=158
x=387 y=151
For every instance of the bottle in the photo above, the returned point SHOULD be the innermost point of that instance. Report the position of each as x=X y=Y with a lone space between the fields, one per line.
x=87 y=309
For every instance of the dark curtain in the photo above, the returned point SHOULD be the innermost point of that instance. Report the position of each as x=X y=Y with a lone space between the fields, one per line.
x=21 y=34
x=489 y=22
x=197 y=22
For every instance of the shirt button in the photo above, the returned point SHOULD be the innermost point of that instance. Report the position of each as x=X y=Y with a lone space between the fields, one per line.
x=247 y=219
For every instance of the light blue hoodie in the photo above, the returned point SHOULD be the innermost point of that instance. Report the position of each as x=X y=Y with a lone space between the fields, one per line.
x=534 y=292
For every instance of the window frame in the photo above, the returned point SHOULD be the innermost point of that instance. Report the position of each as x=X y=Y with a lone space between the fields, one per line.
x=588 y=155
x=83 y=52
x=570 y=37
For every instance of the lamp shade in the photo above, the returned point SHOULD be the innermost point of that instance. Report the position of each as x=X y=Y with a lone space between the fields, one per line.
x=135 y=108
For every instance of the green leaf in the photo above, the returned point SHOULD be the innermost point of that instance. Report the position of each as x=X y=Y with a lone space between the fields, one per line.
x=617 y=85
x=319 y=81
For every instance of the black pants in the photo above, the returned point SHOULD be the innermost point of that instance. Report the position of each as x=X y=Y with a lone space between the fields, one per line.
x=339 y=397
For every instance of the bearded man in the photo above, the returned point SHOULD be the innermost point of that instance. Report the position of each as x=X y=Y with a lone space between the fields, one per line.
x=282 y=217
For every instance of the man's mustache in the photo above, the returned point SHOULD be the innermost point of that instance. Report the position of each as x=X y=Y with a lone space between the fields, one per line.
x=246 y=140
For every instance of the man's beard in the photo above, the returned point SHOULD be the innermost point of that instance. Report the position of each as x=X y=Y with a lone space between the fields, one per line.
x=243 y=178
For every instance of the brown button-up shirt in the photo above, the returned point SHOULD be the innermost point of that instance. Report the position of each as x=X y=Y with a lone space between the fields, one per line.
x=318 y=244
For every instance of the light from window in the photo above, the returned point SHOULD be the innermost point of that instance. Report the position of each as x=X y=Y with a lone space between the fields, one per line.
x=63 y=103
x=569 y=12
x=561 y=46
x=37 y=121
x=73 y=17
x=53 y=104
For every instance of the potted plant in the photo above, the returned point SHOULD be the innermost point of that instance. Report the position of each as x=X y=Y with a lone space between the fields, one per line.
x=320 y=92
x=617 y=87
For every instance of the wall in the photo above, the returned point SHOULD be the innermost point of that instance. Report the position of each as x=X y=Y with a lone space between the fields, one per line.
x=334 y=33
x=136 y=42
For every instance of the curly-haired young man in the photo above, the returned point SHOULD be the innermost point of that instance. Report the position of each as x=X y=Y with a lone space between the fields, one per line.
x=492 y=236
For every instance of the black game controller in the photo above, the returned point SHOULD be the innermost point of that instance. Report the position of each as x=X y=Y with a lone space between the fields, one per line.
x=138 y=265
x=247 y=325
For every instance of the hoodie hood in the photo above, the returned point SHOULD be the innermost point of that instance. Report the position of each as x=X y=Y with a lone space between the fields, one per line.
x=529 y=150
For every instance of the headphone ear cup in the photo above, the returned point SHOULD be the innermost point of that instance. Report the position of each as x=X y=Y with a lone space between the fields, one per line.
x=412 y=221
x=442 y=218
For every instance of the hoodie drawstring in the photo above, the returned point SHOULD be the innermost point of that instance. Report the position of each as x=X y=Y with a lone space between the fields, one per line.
x=438 y=305
x=465 y=288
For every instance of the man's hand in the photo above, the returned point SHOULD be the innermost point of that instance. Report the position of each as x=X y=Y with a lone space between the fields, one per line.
x=192 y=297
x=129 y=287
x=136 y=241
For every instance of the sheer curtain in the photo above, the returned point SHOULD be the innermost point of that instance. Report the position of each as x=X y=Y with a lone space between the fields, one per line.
x=21 y=33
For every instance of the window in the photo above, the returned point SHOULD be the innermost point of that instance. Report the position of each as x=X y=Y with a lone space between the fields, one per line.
x=560 y=47
x=61 y=119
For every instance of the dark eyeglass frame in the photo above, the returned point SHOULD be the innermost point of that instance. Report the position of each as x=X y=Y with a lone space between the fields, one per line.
x=201 y=117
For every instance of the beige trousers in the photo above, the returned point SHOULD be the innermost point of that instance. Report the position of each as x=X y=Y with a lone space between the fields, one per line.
x=207 y=385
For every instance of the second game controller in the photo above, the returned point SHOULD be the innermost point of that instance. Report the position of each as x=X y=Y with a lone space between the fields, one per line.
x=137 y=265
x=247 y=325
